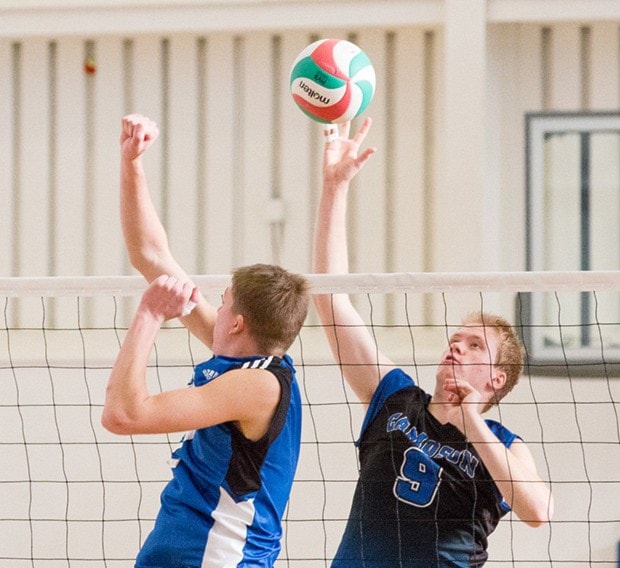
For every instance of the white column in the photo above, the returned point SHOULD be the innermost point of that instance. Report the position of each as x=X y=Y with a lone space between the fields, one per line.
x=458 y=239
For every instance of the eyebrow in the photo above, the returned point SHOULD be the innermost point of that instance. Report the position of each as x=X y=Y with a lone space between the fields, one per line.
x=458 y=335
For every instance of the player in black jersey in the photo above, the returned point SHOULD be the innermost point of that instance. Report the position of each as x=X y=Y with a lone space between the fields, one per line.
x=435 y=477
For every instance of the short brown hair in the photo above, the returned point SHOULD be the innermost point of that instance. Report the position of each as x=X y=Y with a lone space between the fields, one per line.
x=510 y=350
x=274 y=303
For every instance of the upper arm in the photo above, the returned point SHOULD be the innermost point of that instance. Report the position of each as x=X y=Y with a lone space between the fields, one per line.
x=532 y=501
x=520 y=450
x=248 y=397
x=352 y=345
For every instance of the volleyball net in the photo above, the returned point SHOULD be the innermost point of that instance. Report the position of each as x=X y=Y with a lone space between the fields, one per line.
x=72 y=494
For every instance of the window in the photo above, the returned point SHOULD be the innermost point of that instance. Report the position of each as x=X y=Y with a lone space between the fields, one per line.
x=573 y=224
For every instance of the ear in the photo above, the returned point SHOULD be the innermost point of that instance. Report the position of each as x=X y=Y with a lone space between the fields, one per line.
x=498 y=380
x=238 y=325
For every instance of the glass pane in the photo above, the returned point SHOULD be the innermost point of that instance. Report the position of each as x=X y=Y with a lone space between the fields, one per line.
x=574 y=225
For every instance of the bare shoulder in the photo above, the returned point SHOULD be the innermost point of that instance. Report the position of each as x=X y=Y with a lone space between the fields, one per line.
x=246 y=393
x=255 y=394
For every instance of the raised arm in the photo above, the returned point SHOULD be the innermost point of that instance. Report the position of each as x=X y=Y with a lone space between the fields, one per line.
x=145 y=237
x=351 y=343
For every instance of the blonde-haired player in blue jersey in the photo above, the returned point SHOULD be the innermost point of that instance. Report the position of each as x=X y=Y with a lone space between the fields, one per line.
x=233 y=473
x=435 y=477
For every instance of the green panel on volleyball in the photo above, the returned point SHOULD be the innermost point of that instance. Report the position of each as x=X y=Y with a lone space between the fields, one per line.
x=358 y=63
x=306 y=68
x=368 y=91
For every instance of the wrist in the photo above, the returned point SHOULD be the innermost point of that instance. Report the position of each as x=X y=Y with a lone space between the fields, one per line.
x=146 y=317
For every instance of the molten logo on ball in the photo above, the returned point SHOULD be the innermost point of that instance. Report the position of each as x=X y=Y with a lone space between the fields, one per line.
x=310 y=93
x=332 y=81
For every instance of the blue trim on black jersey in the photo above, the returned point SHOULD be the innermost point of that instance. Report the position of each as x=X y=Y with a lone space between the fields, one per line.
x=393 y=381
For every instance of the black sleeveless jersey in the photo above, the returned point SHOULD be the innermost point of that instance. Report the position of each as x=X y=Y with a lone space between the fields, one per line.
x=424 y=498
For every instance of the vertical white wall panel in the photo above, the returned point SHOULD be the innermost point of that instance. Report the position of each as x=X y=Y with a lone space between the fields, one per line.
x=299 y=171
x=32 y=221
x=605 y=66
x=506 y=146
x=32 y=214
x=106 y=249
x=182 y=150
x=369 y=195
x=410 y=142
x=69 y=141
x=7 y=157
x=68 y=209
x=460 y=200
x=409 y=209
x=254 y=210
x=218 y=215
x=566 y=72
x=106 y=114
x=144 y=95
x=530 y=68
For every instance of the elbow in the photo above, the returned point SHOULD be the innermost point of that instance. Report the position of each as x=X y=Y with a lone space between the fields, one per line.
x=116 y=423
x=149 y=258
x=541 y=515
x=141 y=259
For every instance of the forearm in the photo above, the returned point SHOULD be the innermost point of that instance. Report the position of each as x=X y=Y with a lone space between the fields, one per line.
x=330 y=236
x=514 y=473
x=126 y=391
x=351 y=343
x=145 y=237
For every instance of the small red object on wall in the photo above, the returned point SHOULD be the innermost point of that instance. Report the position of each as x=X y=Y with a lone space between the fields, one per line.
x=90 y=67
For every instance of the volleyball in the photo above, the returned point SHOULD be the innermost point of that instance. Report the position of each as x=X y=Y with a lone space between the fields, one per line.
x=332 y=81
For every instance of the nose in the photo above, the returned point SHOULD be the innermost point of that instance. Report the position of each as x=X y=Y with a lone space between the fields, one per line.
x=456 y=347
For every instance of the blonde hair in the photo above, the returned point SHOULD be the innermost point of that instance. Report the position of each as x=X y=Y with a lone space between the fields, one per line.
x=273 y=302
x=510 y=351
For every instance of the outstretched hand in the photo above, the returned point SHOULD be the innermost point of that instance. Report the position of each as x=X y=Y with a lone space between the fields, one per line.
x=137 y=134
x=342 y=158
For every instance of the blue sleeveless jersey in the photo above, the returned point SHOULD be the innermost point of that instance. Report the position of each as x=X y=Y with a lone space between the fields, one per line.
x=224 y=505
x=424 y=498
